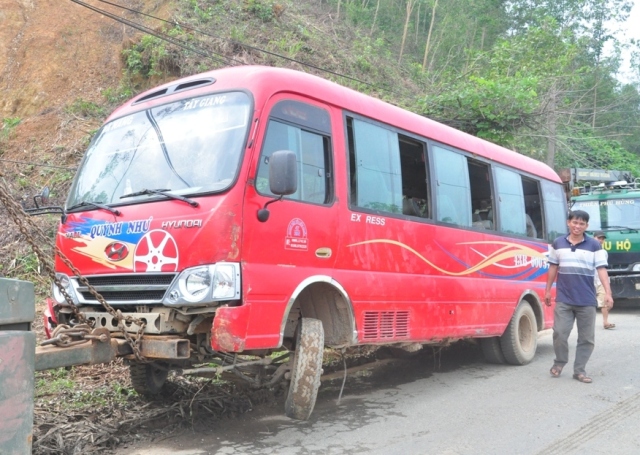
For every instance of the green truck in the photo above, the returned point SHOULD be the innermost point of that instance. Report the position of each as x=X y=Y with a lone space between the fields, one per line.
x=612 y=200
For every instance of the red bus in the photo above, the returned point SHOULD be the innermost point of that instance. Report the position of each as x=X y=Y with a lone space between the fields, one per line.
x=251 y=210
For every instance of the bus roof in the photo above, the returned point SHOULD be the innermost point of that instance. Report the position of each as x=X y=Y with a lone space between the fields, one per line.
x=265 y=81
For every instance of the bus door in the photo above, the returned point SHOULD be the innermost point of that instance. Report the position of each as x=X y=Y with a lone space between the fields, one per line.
x=298 y=241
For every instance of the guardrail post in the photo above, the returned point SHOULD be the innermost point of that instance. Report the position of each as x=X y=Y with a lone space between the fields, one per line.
x=17 y=366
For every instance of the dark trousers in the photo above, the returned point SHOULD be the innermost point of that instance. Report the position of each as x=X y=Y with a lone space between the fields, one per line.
x=564 y=317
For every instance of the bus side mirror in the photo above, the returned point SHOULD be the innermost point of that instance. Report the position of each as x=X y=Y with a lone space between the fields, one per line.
x=43 y=196
x=283 y=178
x=283 y=173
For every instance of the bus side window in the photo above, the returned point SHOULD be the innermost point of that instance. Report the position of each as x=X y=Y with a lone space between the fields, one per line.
x=453 y=192
x=533 y=207
x=554 y=209
x=480 y=185
x=511 y=206
x=374 y=160
x=415 y=189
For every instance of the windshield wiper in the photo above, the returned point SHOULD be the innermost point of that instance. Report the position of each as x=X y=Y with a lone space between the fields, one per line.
x=95 y=205
x=163 y=192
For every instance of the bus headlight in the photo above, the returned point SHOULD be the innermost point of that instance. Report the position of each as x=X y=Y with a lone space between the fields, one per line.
x=205 y=284
x=65 y=281
x=636 y=267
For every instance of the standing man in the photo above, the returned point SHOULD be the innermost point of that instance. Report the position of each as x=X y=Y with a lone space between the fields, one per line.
x=600 y=293
x=574 y=259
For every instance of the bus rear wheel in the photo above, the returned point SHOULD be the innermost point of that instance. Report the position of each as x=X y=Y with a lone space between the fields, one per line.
x=147 y=379
x=520 y=341
x=306 y=369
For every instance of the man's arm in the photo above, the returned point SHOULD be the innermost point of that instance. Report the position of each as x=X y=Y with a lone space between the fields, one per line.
x=551 y=277
x=604 y=279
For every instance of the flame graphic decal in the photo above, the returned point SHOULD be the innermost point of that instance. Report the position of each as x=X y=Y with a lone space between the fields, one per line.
x=508 y=250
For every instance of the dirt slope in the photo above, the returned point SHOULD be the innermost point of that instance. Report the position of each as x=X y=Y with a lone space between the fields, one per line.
x=52 y=53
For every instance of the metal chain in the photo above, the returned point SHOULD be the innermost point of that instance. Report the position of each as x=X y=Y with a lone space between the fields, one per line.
x=21 y=219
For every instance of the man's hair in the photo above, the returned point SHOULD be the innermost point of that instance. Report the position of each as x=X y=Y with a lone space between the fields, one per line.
x=578 y=215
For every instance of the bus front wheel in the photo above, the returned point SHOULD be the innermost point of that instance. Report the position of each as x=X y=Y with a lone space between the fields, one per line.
x=520 y=341
x=306 y=368
x=147 y=379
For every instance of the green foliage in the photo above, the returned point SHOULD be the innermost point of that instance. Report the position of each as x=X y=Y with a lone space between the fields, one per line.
x=86 y=109
x=118 y=95
x=8 y=124
x=489 y=108
x=204 y=13
x=585 y=150
x=147 y=58
x=264 y=10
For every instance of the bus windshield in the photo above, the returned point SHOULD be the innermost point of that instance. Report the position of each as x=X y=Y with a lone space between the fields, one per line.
x=611 y=213
x=188 y=147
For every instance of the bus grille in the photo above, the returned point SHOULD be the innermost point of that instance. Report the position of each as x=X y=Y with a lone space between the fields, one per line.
x=386 y=325
x=126 y=289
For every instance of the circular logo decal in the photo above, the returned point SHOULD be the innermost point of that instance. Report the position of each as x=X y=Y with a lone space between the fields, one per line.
x=156 y=251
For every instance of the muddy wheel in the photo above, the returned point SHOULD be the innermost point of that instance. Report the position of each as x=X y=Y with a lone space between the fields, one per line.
x=520 y=340
x=306 y=368
x=492 y=350
x=147 y=379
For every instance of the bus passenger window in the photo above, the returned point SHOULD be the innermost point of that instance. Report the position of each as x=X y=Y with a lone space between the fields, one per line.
x=555 y=209
x=533 y=207
x=415 y=191
x=480 y=185
x=453 y=192
x=374 y=160
x=511 y=202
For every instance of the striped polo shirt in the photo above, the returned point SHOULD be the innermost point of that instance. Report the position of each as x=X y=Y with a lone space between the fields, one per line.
x=577 y=266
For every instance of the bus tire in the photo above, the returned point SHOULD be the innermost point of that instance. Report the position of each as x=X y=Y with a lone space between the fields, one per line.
x=147 y=379
x=520 y=341
x=492 y=350
x=306 y=368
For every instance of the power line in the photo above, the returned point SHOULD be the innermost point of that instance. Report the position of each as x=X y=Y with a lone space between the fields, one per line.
x=162 y=36
x=187 y=27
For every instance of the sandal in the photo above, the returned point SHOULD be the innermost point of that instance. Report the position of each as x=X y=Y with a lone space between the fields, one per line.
x=555 y=371
x=610 y=326
x=582 y=378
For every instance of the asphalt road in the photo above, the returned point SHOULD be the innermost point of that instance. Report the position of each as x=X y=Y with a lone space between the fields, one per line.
x=452 y=403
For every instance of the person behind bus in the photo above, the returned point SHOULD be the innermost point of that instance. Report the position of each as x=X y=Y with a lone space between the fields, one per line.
x=574 y=259
x=601 y=236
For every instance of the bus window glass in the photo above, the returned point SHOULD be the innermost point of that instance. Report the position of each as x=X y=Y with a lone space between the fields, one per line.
x=312 y=152
x=415 y=191
x=480 y=181
x=510 y=202
x=555 y=210
x=377 y=168
x=453 y=193
x=532 y=207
